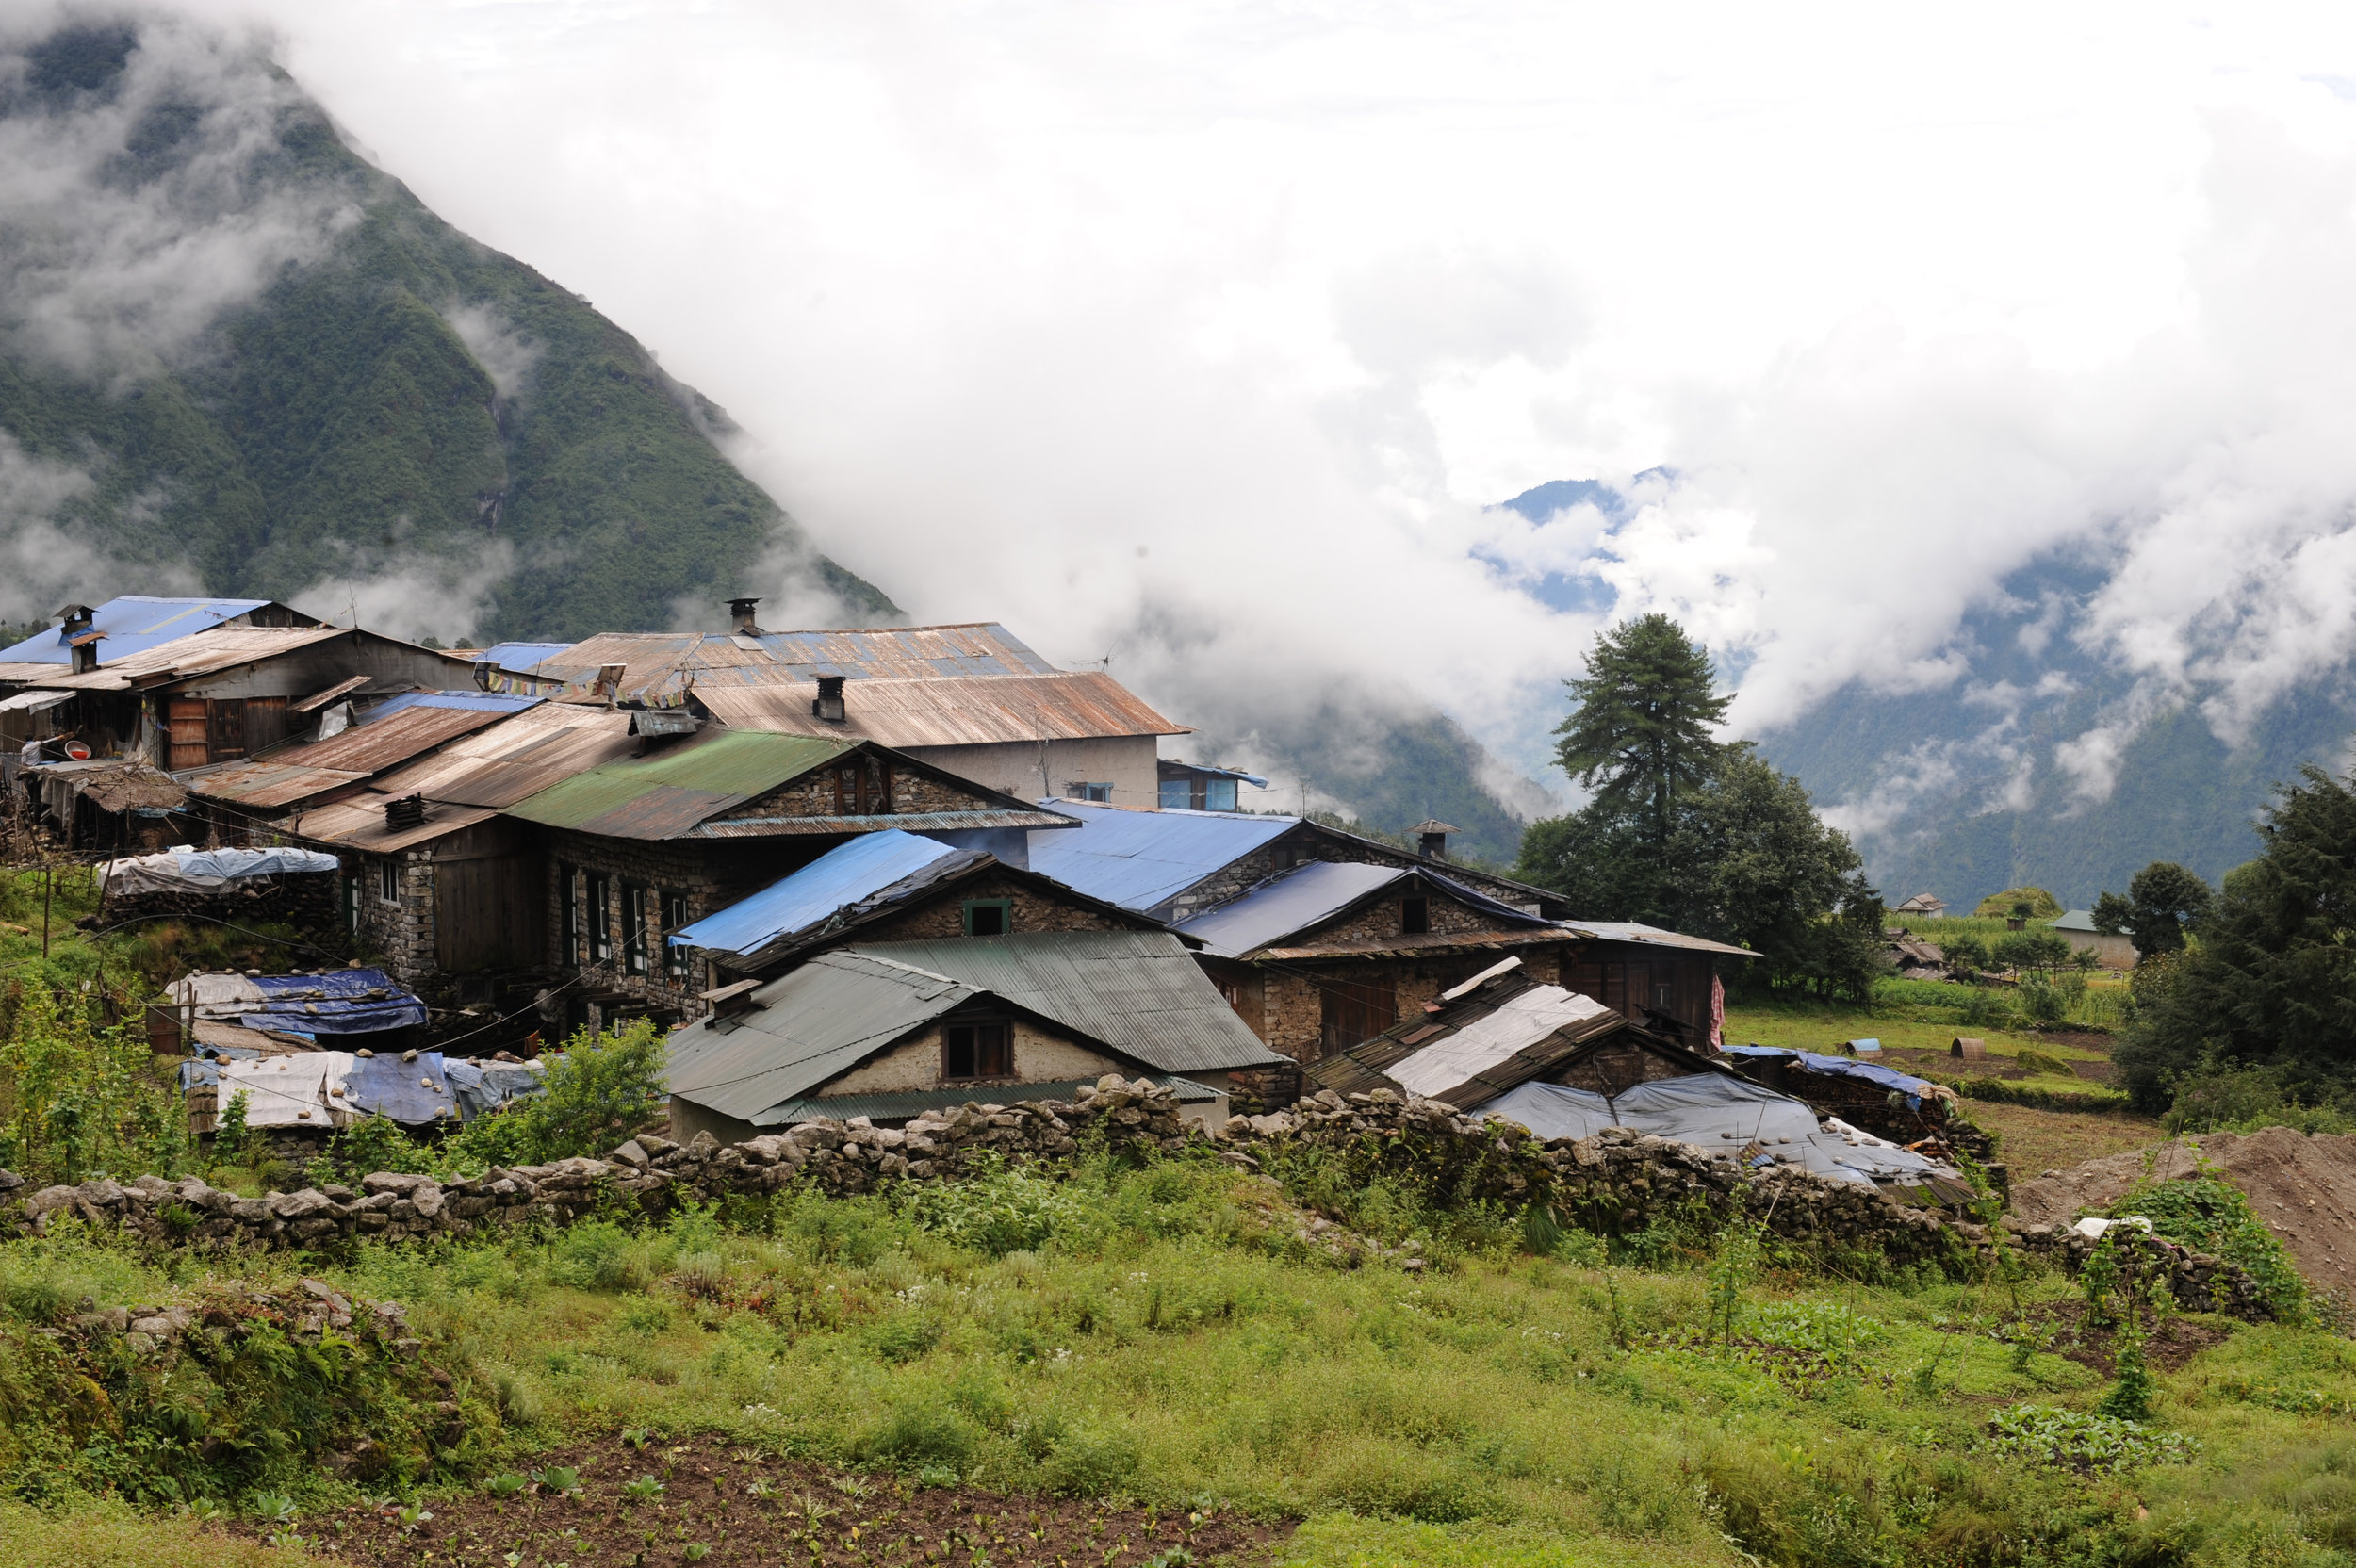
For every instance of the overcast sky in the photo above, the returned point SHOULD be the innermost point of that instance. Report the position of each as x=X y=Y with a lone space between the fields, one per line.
x=1202 y=335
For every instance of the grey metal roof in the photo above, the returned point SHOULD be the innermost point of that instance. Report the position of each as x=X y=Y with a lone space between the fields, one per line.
x=893 y=1107
x=1141 y=992
x=808 y=1026
x=1288 y=901
x=1652 y=936
x=2076 y=920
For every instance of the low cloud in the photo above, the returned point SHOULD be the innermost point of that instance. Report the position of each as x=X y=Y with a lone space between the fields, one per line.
x=413 y=599
x=44 y=562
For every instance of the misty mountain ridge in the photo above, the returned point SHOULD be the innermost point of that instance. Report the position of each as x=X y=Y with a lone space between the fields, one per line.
x=2043 y=762
x=237 y=358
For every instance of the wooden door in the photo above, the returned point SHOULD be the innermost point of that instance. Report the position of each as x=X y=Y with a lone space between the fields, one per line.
x=191 y=745
x=490 y=913
x=265 y=723
x=225 y=728
x=1354 y=1011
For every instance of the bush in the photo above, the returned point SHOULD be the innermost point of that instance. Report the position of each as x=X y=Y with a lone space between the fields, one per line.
x=2221 y=1098
x=601 y=1089
x=76 y=1099
x=2043 y=1064
x=916 y=1435
x=998 y=1212
x=2210 y=1216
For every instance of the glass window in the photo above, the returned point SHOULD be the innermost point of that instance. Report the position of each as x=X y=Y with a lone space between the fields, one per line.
x=674 y=920
x=979 y=1051
x=388 y=880
x=600 y=918
x=634 y=927
x=1078 y=790
x=1176 y=796
x=1218 y=794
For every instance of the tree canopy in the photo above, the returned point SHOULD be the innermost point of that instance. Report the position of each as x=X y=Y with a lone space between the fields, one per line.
x=2271 y=980
x=2163 y=901
x=1695 y=834
x=1640 y=731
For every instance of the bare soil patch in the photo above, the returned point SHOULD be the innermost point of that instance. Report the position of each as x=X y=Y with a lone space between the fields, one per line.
x=2166 y=1346
x=725 y=1506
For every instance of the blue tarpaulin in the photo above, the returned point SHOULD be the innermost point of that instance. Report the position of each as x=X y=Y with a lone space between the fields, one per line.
x=1842 y=1067
x=482 y=1087
x=414 y=1092
x=340 y=1002
x=836 y=880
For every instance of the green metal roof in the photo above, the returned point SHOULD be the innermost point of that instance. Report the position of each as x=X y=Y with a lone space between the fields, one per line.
x=666 y=796
x=1141 y=992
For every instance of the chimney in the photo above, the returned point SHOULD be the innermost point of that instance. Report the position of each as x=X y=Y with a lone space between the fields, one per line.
x=85 y=649
x=404 y=811
x=827 y=704
x=1432 y=838
x=740 y=617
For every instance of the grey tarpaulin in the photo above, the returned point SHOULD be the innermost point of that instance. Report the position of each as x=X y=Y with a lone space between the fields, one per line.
x=1713 y=1111
x=482 y=1087
x=410 y=1092
x=185 y=871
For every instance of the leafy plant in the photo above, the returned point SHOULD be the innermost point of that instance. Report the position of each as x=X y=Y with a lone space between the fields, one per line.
x=599 y=1089
x=999 y=1211
x=562 y=1480
x=76 y=1099
x=505 y=1484
x=646 y=1489
x=2210 y=1215
x=2049 y=1435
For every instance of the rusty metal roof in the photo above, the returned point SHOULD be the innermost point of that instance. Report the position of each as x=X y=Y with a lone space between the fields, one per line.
x=1421 y=946
x=906 y=652
x=665 y=796
x=912 y=821
x=507 y=763
x=947 y=711
x=285 y=775
x=360 y=824
x=198 y=653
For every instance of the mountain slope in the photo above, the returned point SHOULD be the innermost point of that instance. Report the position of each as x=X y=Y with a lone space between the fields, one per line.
x=376 y=400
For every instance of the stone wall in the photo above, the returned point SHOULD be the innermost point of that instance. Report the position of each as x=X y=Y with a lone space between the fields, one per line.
x=2195 y=1282
x=1615 y=1182
x=1029 y=910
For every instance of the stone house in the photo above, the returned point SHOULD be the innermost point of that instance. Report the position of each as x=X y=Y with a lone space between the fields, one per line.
x=644 y=846
x=892 y=1030
x=883 y=887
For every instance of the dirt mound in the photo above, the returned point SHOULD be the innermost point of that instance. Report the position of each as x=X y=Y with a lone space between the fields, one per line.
x=2303 y=1187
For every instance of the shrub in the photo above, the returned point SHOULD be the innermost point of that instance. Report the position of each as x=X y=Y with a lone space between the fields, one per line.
x=2042 y=1064
x=75 y=1098
x=2211 y=1216
x=916 y=1435
x=601 y=1089
x=998 y=1212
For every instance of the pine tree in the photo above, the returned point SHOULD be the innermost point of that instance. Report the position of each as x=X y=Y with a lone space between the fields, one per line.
x=1639 y=734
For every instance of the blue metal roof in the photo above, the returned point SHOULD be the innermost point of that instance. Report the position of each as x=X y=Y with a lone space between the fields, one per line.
x=1138 y=860
x=841 y=877
x=474 y=702
x=522 y=656
x=1287 y=903
x=132 y=623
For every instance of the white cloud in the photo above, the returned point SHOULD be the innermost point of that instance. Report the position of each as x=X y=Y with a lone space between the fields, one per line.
x=44 y=560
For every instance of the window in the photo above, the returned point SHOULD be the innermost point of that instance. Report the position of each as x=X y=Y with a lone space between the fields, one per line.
x=388 y=880
x=568 y=898
x=1415 y=916
x=989 y=917
x=1218 y=794
x=600 y=918
x=850 y=789
x=674 y=920
x=1175 y=796
x=351 y=904
x=1088 y=792
x=635 y=928
x=978 y=1051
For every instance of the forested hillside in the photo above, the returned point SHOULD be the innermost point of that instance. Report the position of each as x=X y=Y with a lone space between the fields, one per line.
x=374 y=394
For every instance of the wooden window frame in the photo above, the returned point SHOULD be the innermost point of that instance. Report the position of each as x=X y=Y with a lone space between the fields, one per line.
x=976 y=1029
x=675 y=963
x=568 y=918
x=1005 y=916
x=635 y=914
x=388 y=880
x=601 y=917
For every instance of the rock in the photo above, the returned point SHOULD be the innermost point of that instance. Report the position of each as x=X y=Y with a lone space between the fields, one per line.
x=632 y=1155
x=305 y=1205
x=391 y=1181
x=703 y=1146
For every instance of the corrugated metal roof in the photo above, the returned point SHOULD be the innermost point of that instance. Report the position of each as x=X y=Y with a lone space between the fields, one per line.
x=1139 y=859
x=131 y=624
x=497 y=703
x=890 y=653
x=808 y=1026
x=1481 y=1043
x=900 y=1107
x=1628 y=931
x=520 y=657
x=196 y=654
x=664 y=795
x=359 y=824
x=841 y=877
x=265 y=783
x=289 y=774
x=1287 y=902
x=913 y=821
x=2076 y=920
x=963 y=711
x=1422 y=945
x=1141 y=992
x=509 y=762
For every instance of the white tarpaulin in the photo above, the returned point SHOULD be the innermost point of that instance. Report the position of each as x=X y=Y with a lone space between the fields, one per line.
x=26 y=701
x=1484 y=1042
x=183 y=870
x=284 y=1091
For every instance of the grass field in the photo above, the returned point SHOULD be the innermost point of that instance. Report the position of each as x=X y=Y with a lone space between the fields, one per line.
x=1164 y=1339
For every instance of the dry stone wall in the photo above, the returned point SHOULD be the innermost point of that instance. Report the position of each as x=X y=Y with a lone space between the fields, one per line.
x=1614 y=1182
